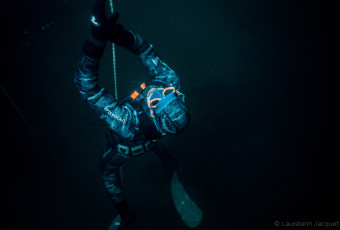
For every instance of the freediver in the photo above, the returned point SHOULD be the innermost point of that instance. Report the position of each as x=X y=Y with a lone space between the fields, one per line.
x=136 y=122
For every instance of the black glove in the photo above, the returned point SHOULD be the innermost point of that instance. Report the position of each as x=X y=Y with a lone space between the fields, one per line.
x=128 y=39
x=120 y=36
x=106 y=29
x=103 y=29
x=101 y=26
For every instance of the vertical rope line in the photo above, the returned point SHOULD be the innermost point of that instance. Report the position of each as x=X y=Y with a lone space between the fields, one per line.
x=114 y=58
x=115 y=77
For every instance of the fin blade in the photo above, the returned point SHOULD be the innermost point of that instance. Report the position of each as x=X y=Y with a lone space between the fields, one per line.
x=190 y=213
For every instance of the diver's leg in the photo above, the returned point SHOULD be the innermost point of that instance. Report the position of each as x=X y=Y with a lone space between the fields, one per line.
x=112 y=178
x=169 y=162
x=127 y=217
x=113 y=185
x=190 y=213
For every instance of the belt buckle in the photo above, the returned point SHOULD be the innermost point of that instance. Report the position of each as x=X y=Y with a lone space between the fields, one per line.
x=149 y=144
x=106 y=152
x=124 y=148
x=137 y=150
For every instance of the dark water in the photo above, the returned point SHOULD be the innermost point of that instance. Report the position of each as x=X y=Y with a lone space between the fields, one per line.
x=260 y=83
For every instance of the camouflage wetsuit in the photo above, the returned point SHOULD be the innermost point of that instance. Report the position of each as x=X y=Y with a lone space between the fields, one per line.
x=124 y=125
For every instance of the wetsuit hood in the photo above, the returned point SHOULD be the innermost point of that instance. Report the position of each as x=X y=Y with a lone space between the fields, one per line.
x=170 y=116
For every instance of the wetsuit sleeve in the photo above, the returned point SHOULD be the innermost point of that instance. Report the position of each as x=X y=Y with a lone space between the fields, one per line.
x=119 y=118
x=157 y=69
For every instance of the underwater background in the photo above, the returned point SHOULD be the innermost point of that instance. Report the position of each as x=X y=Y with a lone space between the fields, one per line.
x=259 y=79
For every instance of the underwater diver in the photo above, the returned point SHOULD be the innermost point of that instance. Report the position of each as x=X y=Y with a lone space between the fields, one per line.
x=136 y=122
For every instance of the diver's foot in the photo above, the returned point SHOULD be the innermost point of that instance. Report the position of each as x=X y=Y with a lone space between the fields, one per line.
x=130 y=219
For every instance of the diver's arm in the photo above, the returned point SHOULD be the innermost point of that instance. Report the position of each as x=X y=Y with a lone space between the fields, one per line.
x=157 y=69
x=119 y=118
x=86 y=82
x=101 y=101
x=86 y=76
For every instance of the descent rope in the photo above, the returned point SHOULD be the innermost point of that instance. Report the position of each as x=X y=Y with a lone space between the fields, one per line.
x=114 y=59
